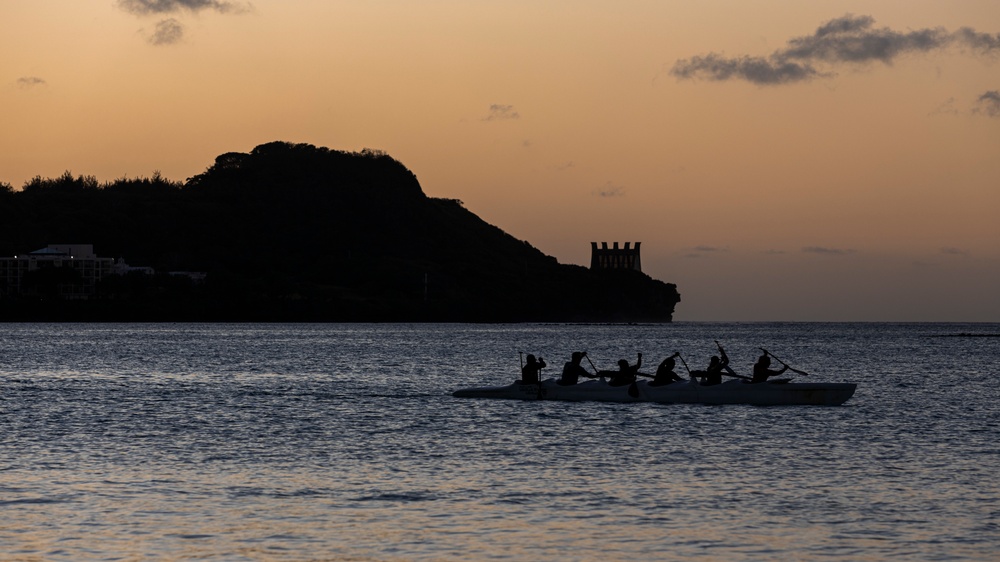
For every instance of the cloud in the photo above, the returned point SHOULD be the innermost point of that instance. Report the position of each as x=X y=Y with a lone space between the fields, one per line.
x=702 y=251
x=499 y=112
x=989 y=103
x=757 y=70
x=609 y=190
x=953 y=251
x=983 y=42
x=146 y=7
x=167 y=32
x=26 y=82
x=853 y=39
x=946 y=108
x=846 y=40
x=821 y=250
x=170 y=31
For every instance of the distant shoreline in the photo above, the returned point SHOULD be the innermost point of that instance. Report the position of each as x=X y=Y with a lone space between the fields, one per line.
x=964 y=335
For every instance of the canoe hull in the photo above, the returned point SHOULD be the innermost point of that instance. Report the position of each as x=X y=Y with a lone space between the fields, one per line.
x=761 y=394
x=730 y=392
x=593 y=391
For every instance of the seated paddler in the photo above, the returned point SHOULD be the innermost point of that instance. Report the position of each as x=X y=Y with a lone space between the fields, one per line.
x=626 y=374
x=713 y=373
x=573 y=370
x=665 y=372
x=761 y=370
x=530 y=370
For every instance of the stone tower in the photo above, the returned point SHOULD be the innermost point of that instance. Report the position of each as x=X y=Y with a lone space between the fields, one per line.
x=615 y=257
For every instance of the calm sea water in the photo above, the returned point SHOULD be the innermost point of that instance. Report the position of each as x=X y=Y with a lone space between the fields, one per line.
x=342 y=442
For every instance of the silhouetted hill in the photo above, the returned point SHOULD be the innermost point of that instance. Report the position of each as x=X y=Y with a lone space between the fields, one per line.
x=297 y=232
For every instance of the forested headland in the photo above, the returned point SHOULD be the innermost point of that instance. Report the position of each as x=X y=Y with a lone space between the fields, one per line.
x=294 y=232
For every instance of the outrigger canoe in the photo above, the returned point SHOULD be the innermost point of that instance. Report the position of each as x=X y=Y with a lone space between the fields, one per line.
x=772 y=393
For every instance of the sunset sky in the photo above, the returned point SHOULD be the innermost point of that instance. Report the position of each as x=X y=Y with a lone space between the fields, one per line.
x=778 y=159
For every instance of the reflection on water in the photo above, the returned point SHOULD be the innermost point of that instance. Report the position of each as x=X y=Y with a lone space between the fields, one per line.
x=342 y=442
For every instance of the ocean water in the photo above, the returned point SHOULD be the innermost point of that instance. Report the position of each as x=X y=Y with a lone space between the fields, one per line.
x=342 y=442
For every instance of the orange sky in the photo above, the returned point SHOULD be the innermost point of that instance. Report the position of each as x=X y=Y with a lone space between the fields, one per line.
x=778 y=160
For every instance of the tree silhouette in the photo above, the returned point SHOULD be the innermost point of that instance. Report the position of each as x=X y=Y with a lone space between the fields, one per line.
x=298 y=232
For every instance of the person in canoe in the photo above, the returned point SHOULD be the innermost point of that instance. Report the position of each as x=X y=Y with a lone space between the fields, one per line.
x=573 y=370
x=626 y=374
x=665 y=372
x=762 y=370
x=530 y=370
x=712 y=374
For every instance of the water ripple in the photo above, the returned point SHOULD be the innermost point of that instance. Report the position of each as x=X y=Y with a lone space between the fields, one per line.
x=293 y=442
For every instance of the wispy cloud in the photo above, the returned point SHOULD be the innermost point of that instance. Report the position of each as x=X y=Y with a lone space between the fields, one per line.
x=30 y=82
x=167 y=32
x=946 y=108
x=609 y=190
x=985 y=43
x=171 y=31
x=757 y=70
x=846 y=40
x=824 y=251
x=500 y=112
x=703 y=251
x=953 y=251
x=146 y=7
x=989 y=103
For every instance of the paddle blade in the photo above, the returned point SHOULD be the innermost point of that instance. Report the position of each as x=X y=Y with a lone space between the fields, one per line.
x=633 y=390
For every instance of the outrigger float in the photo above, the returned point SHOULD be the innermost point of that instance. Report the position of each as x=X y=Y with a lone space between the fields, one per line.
x=778 y=392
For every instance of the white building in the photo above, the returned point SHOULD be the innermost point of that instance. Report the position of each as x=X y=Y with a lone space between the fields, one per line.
x=69 y=271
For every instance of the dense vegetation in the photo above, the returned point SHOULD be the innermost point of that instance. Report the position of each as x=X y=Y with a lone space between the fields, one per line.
x=293 y=232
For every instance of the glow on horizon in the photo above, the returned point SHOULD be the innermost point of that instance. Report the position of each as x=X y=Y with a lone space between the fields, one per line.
x=777 y=160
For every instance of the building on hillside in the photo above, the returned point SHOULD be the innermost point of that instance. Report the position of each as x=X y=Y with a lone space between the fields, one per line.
x=615 y=257
x=196 y=277
x=66 y=271
x=122 y=268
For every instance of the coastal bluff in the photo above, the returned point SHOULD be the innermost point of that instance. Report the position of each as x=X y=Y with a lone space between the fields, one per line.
x=299 y=233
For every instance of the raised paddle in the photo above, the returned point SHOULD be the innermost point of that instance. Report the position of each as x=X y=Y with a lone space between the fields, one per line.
x=690 y=374
x=726 y=369
x=778 y=359
x=633 y=387
x=681 y=357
